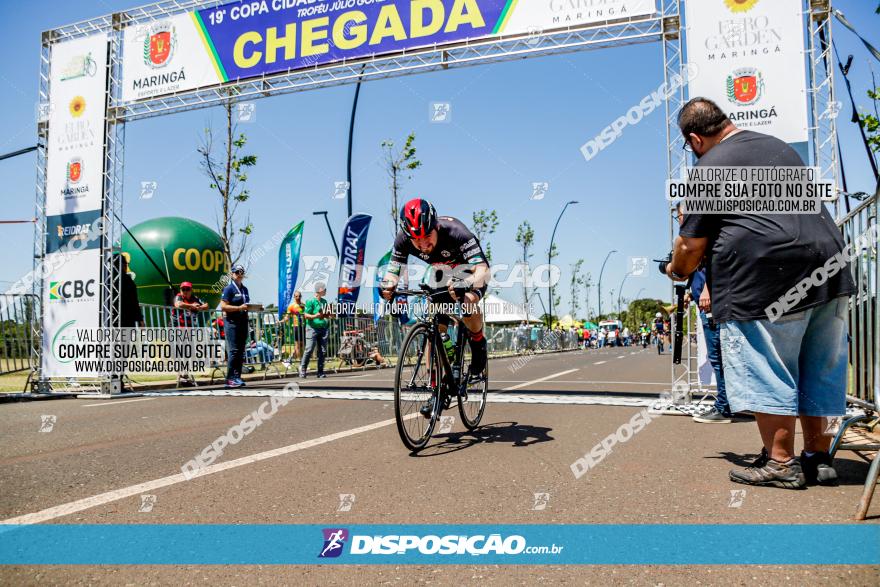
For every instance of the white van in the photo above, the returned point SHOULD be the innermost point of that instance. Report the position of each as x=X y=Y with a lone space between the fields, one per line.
x=611 y=326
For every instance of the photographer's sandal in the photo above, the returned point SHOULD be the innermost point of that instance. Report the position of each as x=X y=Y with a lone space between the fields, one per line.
x=767 y=472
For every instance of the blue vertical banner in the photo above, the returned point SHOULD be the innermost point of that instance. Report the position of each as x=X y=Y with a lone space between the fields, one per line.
x=288 y=266
x=380 y=273
x=351 y=262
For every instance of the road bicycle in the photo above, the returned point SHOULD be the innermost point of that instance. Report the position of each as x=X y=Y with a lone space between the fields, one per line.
x=427 y=380
x=659 y=340
x=353 y=348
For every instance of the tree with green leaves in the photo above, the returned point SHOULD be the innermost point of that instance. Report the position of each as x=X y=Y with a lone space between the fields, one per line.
x=525 y=237
x=587 y=283
x=871 y=122
x=399 y=165
x=557 y=299
x=227 y=167
x=484 y=224
x=643 y=310
x=577 y=281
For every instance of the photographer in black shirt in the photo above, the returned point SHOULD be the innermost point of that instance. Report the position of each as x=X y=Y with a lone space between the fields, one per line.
x=780 y=365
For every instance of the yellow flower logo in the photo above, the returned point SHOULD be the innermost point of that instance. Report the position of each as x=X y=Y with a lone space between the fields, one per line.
x=740 y=5
x=77 y=106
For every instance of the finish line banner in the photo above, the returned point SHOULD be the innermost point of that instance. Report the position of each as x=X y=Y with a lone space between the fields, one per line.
x=247 y=39
x=504 y=544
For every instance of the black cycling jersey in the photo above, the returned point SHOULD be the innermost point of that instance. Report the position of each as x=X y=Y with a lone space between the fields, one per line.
x=456 y=245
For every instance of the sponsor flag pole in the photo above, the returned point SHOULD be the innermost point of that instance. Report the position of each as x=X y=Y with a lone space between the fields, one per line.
x=288 y=266
x=380 y=273
x=351 y=261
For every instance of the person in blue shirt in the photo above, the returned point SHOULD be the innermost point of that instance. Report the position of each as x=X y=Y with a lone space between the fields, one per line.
x=234 y=303
x=699 y=292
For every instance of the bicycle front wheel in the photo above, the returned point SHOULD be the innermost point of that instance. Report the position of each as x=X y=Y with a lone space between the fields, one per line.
x=417 y=388
x=472 y=399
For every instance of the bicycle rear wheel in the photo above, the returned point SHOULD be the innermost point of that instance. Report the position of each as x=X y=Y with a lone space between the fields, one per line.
x=417 y=380
x=472 y=399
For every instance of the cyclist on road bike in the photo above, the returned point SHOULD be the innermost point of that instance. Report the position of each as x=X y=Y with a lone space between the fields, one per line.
x=660 y=331
x=458 y=263
x=644 y=334
x=658 y=324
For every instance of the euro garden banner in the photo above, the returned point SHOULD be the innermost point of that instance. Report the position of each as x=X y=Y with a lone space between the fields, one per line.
x=74 y=194
x=749 y=58
x=246 y=39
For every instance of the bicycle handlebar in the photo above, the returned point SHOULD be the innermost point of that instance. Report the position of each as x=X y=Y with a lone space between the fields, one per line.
x=424 y=290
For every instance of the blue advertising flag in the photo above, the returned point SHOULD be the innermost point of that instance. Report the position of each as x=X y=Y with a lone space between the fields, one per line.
x=351 y=262
x=380 y=273
x=288 y=265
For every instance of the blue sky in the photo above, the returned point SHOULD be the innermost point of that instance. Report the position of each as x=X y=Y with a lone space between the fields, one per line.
x=512 y=124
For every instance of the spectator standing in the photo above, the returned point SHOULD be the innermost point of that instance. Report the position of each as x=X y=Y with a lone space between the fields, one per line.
x=187 y=305
x=534 y=338
x=234 y=303
x=130 y=315
x=184 y=315
x=297 y=326
x=316 y=312
x=720 y=412
x=789 y=367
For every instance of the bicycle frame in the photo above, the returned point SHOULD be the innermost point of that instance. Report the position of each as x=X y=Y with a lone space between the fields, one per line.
x=435 y=341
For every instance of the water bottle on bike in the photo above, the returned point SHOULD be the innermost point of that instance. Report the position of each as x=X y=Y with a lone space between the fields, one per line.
x=449 y=346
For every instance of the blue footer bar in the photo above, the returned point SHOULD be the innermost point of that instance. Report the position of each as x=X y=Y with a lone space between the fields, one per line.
x=149 y=544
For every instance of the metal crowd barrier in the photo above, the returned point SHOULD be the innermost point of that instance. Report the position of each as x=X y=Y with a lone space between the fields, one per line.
x=18 y=341
x=863 y=348
x=864 y=344
x=277 y=347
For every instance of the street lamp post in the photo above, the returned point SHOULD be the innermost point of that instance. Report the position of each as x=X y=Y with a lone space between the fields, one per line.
x=620 y=291
x=550 y=259
x=354 y=105
x=537 y=293
x=330 y=230
x=611 y=252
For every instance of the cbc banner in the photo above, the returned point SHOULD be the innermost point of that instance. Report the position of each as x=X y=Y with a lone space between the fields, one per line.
x=70 y=303
x=74 y=188
x=246 y=39
x=749 y=58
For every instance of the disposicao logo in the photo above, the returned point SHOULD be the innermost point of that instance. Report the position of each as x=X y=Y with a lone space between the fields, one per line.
x=334 y=541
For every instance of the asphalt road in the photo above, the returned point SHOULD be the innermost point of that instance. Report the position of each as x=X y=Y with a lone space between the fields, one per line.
x=101 y=457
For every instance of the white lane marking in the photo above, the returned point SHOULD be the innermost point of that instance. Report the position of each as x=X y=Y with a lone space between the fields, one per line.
x=539 y=380
x=497 y=398
x=113 y=402
x=110 y=496
x=585 y=381
x=600 y=363
x=350 y=377
x=621 y=356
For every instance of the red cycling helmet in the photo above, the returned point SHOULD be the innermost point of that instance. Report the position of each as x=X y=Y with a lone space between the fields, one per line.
x=418 y=218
